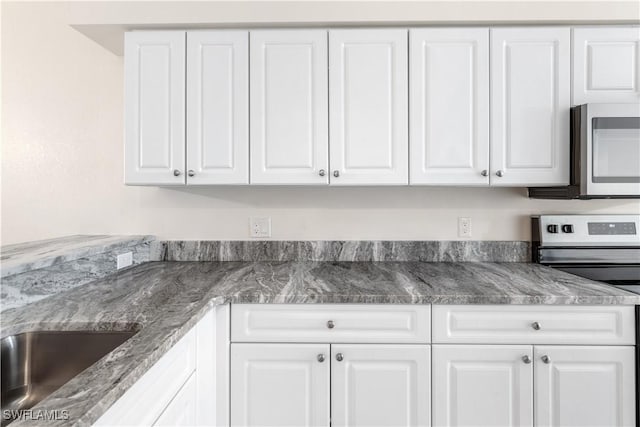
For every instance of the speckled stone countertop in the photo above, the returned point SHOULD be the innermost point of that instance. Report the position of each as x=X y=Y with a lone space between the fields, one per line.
x=165 y=299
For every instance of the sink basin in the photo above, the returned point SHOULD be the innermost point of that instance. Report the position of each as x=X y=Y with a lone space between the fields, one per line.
x=35 y=364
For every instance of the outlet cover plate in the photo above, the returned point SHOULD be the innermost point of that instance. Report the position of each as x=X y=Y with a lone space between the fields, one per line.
x=464 y=227
x=260 y=227
x=124 y=260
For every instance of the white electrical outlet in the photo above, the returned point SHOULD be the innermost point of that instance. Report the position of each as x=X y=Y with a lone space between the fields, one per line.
x=124 y=260
x=464 y=227
x=260 y=227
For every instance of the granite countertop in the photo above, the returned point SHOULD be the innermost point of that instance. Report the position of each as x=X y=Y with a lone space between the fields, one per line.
x=165 y=299
x=36 y=270
x=22 y=257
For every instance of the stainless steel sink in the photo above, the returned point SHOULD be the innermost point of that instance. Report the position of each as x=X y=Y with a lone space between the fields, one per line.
x=35 y=364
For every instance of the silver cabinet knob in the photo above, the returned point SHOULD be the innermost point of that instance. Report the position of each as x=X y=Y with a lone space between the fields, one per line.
x=339 y=357
x=336 y=173
x=176 y=172
x=526 y=359
x=191 y=173
x=321 y=172
x=330 y=324
x=484 y=172
x=536 y=326
x=500 y=173
x=546 y=359
x=321 y=358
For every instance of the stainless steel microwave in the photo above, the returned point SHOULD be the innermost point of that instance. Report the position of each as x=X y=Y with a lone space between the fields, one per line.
x=605 y=154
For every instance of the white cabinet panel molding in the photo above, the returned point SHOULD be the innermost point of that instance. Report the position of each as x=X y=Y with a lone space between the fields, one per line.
x=181 y=412
x=530 y=102
x=449 y=100
x=368 y=99
x=289 y=111
x=217 y=107
x=606 y=64
x=343 y=323
x=482 y=385
x=534 y=324
x=380 y=385
x=579 y=386
x=280 y=385
x=154 y=78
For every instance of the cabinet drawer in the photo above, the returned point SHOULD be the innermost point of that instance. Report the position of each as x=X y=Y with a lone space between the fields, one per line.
x=465 y=324
x=330 y=323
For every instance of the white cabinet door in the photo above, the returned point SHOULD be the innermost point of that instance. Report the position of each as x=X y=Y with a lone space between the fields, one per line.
x=181 y=411
x=280 y=385
x=289 y=111
x=605 y=64
x=380 y=385
x=368 y=98
x=585 y=386
x=217 y=107
x=482 y=385
x=154 y=79
x=449 y=98
x=530 y=102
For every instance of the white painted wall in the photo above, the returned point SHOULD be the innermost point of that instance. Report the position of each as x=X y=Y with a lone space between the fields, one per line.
x=62 y=165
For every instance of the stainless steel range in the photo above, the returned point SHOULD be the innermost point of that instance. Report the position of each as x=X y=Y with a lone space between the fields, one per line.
x=600 y=247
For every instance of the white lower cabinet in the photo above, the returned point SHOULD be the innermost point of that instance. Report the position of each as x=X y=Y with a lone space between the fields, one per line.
x=511 y=365
x=520 y=385
x=182 y=409
x=469 y=366
x=380 y=385
x=188 y=386
x=280 y=385
x=302 y=384
x=584 y=386
x=482 y=385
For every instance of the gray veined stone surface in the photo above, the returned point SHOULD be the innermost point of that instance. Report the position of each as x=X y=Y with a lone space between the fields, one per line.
x=165 y=299
x=36 y=270
x=346 y=250
x=29 y=256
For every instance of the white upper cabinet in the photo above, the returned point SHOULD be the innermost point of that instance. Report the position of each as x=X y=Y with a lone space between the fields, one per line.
x=605 y=64
x=449 y=100
x=368 y=100
x=289 y=111
x=154 y=125
x=380 y=385
x=530 y=102
x=585 y=386
x=218 y=107
x=482 y=385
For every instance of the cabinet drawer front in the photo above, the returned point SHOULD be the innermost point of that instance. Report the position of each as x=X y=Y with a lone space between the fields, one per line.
x=156 y=388
x=612 y=325
x=349 y=323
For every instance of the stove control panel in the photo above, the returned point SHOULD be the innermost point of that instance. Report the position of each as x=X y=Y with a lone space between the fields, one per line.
x=588 y=230
x=611 y=228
